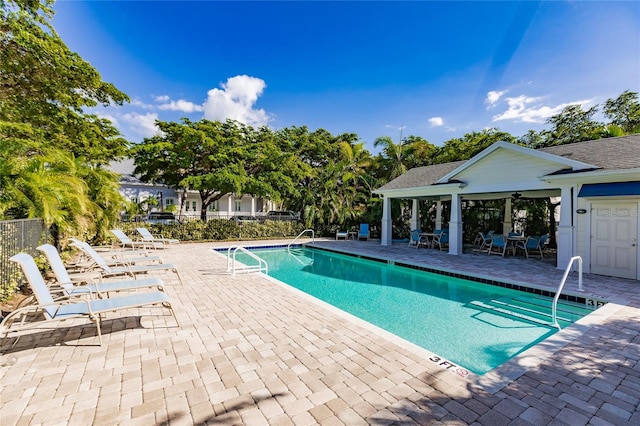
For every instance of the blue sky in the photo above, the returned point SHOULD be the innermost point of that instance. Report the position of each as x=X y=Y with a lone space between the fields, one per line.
x=433 y=69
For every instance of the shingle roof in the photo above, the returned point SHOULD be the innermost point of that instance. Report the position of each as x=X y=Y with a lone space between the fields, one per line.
x=422 y=176
x=608 y=154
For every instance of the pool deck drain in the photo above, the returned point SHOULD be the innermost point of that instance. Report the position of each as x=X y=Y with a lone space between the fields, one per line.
x=250 y=351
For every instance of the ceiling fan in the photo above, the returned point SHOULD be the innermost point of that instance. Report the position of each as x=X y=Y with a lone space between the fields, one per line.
x=516 y=195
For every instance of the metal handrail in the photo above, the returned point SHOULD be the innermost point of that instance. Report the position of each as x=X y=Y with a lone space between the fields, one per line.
x=300 y=260
x=231 y=261
x=313 y=237
x=554 y=307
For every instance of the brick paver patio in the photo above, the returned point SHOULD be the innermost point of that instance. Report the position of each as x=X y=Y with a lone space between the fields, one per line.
x=252 y=351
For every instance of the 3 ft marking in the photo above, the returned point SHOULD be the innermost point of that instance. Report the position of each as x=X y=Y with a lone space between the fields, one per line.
x=448 y=365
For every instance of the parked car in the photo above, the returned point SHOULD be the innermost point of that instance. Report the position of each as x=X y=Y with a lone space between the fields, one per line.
x=164 y=218
x=281 y=215
x=243 y=219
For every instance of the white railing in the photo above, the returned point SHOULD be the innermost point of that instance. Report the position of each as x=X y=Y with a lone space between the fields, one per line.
x=302 y=262
x=313 y=237
x=554 y=307
x=232 y=263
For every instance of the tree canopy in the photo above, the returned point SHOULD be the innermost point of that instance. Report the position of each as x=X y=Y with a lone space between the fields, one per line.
x=53 y=152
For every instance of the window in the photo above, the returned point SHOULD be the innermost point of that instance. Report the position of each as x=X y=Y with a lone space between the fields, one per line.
x=194 y=205
x=238 y=205
x=213 y=207
x=169 y=202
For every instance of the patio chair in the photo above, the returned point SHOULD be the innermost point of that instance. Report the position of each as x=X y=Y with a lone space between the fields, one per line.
x=414 y=239
x=342 y=234
x=67 y=286
x=155 y=238
x=482 y=241
x=124 y=268
x=127 y=242
x=363 y=232
x=67 y=308
x=498 y=245
x=533 y=244
x=441 y=239
x=418 y=240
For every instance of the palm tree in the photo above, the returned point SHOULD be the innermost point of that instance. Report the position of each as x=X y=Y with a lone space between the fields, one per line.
x=45 y=186
x=393 y=157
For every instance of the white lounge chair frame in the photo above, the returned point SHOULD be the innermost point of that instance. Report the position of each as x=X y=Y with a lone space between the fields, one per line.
x=68 y=308
x=101 y=288
x=125 y=268
x=147 y=236
x=126 y=242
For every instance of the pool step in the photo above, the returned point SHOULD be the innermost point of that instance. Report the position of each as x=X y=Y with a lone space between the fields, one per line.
x=572 y=310
x=532 y=309
x=301 y=255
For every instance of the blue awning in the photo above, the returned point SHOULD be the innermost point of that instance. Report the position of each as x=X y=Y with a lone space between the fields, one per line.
x=609 y=189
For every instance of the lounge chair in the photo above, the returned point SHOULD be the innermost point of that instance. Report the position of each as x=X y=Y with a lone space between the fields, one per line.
x=66 y=282
x=115 y=258
x=67 y=308
x=148 y=237
x=128 y=243
x=363 y=232
x=342 y=234
x=125 y=255
x=125 y=268
x=498 y=245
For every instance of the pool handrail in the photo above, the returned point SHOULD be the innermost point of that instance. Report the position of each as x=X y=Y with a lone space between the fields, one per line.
x=231 y=261
x=313 y=237
x=554 y=306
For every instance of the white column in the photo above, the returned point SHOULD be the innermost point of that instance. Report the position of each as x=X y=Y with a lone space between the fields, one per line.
x=415 y=214
x=438 y=214
x=386 y=227
x=253 y=205
x=565 y=228
x=230 y=205
x=507 y=225
x=455 y=226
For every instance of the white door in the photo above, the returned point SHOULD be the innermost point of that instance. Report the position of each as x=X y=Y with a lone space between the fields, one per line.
x=614 y=239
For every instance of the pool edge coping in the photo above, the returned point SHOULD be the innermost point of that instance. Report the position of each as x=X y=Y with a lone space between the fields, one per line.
x=492 y=381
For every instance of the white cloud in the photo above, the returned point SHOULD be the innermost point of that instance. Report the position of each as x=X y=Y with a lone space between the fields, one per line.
x=180 y=105
x=436 y=121
x=109 y=117
x=162 y=98
x=529 y=110
x=138 y=103
x=493 y=97
x=143 y=125
x=236 y=101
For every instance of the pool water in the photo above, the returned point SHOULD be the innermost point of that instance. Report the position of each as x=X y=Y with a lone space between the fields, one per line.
x=460 y=320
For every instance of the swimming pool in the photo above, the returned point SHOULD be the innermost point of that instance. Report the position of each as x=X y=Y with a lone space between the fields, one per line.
x=463 y=321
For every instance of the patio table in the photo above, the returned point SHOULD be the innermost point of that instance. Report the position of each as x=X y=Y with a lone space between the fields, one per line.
x=512 y=241
x=428 y=237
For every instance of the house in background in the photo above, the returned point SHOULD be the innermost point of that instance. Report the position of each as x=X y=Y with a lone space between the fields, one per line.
x=186 y=204
x=597 y=182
